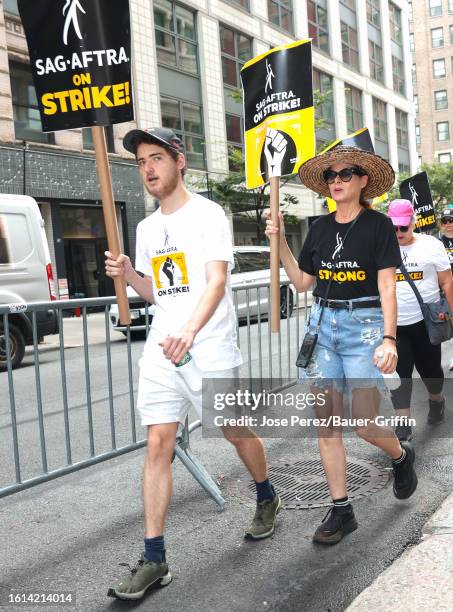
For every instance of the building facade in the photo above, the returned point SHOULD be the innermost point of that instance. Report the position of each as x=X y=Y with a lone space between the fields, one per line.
x=187 y=58
x=431 y=40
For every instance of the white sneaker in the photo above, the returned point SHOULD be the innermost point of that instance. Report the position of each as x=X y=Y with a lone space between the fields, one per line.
x=450 y=365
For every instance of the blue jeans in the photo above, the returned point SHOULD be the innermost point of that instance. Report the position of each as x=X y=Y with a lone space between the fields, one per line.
x=347 y=340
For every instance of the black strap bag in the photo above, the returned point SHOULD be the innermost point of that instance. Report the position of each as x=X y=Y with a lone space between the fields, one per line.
x=435 y=314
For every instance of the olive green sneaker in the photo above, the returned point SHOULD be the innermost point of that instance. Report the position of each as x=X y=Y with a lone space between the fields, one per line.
x=263 y=524
x=144 y=575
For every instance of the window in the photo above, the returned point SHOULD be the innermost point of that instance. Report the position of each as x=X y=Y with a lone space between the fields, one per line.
x=418 y=139
x=373 y=12
x=87 y=137
x=444 y=158
x=401 y=128
x=323 y=83
x=11 y=7
x=318 y=29
x=176 y=37
x=440 y=99
x=349 y=45
x=435 y=8
x=186 y=120
x=349 y=3
x=395 y=24
x=411 y=14
x=27 y=121
x=439 y=68
x=281 y=14
x=354 y=113
x=416 y=103
x=376 y=63
x=411 y=42
x=234 y=131
x=414 y=74
x=403 y=168
x=399 y=84
x=244 y=3
x=450 y=7
x=451 y=35
x=236 y=50
x=443 y=130
x=380 y=119
x=437 y=38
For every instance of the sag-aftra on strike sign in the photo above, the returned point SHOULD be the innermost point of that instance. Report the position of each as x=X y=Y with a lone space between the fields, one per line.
x=80 y=58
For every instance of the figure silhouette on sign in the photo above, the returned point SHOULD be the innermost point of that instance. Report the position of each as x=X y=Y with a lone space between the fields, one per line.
x=414 y=195
x=169 y=270
x=270 y=75
x=72 y=17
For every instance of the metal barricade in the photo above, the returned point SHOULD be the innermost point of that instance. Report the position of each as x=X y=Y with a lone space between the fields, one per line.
x=52 y=425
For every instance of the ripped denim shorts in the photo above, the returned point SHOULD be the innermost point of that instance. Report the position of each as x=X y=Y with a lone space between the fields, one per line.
x=345 y=348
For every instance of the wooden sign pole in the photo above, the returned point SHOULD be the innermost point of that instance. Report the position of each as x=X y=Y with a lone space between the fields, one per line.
x=111 y=225
x=275 y=254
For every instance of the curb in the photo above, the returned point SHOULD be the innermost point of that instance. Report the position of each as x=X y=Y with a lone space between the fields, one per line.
x=422 y=578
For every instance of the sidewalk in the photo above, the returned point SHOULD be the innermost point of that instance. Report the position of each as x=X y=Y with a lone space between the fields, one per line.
x=422 y=578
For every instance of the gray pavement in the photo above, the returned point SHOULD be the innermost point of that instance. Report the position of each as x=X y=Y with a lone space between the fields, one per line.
x=70 y=535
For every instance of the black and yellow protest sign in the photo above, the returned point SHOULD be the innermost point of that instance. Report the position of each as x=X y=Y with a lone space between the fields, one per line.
x=278 y=112
x=80 y=58
x=362 y=140
x=416 y=189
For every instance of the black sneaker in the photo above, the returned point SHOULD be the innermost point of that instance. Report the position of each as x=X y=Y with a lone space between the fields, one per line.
x=436 y=414
x=403 y=433
x=336 y=526
x=404 y=474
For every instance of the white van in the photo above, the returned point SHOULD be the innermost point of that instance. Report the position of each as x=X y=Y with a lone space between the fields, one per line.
x=25 y=273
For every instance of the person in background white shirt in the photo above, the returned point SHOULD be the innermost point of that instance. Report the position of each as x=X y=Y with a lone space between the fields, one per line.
x=426 y=261
x=446 y=230
x=184 y=253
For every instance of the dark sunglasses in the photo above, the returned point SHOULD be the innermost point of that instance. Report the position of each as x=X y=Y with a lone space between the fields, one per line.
x=401 y=228
x=445 y=220
x=345 y=175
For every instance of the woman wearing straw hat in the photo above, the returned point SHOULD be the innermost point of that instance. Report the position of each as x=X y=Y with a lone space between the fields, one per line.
x=356 y=337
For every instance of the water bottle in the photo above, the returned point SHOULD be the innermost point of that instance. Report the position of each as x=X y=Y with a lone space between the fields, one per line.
x=392 y=381
x=192 y=375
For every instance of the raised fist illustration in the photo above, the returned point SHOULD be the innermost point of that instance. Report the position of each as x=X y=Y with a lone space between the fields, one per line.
x=274 y=149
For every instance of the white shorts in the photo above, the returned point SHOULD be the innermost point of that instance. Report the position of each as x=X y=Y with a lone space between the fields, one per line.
x=165 y=398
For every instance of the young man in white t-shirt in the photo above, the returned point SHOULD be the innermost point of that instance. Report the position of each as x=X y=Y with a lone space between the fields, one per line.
x=184 y=255
x=427 y=263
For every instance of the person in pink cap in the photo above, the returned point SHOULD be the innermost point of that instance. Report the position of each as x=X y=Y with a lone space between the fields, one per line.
x=426 y=261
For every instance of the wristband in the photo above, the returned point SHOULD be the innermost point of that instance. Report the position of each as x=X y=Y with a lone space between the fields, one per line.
x=389 y=337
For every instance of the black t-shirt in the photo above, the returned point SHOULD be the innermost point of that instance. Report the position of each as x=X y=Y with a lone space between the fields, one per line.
x=370 y=246
x=448 y=244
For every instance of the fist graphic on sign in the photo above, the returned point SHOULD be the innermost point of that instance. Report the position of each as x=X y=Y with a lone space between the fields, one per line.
x=274 y=149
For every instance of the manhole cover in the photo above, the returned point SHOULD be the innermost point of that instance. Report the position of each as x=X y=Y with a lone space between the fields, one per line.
x=301 y=483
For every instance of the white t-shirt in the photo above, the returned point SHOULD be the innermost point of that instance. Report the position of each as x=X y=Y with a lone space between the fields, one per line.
x=423 y=260
x=174 y=250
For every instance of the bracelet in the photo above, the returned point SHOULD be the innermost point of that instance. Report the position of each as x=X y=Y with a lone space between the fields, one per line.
x=389 y=337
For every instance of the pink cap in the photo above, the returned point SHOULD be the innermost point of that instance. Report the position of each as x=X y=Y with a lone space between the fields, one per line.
x=400 y=212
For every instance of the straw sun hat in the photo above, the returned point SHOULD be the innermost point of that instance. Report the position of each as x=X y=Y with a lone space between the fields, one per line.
x=380 y=173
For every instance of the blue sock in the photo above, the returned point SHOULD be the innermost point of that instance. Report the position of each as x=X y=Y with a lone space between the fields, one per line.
x=264 y=491
x=154 y=549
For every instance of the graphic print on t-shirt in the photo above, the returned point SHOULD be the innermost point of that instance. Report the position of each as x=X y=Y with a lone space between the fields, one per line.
x=170 y=274
x=345 y=271
x=416 y=275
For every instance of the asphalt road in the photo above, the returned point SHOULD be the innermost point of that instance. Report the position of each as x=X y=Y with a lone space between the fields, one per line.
x=71 y=533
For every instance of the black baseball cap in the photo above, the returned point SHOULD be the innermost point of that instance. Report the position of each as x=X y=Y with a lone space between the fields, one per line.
x=159 y=135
